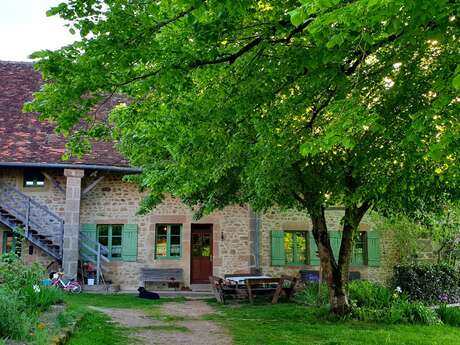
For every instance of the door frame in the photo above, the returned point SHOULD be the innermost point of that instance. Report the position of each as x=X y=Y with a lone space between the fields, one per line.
x=199 y=227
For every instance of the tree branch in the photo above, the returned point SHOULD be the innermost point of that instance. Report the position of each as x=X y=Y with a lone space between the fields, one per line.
x=229 y=58
x=297 y=30
x=320 y=108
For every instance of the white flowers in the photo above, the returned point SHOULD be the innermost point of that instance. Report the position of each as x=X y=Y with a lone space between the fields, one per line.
x=398 y=289
x=36 y=288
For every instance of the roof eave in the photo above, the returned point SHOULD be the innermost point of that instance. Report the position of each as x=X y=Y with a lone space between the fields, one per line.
x=111 y=168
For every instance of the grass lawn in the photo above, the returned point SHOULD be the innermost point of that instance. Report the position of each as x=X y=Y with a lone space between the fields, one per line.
x=115 y=301
x=97 y=328
x=285 y=324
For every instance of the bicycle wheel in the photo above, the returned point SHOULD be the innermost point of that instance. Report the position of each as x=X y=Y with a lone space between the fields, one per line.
x=75 y=288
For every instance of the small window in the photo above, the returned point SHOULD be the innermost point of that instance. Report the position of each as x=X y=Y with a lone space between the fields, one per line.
x=295 y=247
x=359 y=250
x=168 y=241
x=11 y=243
x=34 y=179
x=111 y=237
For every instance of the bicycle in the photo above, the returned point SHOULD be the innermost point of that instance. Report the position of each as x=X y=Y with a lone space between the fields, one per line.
x=72 y=285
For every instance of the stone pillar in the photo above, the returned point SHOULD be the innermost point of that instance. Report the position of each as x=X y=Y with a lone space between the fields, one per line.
x=72 y=221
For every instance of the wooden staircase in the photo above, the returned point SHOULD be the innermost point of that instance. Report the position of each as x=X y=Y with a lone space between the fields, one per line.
x=35 y=222
x=45 y=230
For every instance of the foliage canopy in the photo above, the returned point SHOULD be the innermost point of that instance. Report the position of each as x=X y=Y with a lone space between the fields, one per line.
x=318 y=102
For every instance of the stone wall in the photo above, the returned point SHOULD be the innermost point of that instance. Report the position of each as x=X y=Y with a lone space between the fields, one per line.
x=113 y=201
x=277 y=219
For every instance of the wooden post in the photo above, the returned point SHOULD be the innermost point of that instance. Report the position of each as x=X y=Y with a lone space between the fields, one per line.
x=248 y=287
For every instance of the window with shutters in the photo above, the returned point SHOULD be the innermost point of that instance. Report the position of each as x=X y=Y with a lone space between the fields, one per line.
x=299 y=248
x=110 y=235
x=168 y=241
x=295 y=247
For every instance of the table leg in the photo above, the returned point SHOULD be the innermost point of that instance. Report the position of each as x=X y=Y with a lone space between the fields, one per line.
x=278 y=291
x=248 y=286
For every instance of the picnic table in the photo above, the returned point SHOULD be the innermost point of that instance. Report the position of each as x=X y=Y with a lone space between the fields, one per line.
x=247 y=286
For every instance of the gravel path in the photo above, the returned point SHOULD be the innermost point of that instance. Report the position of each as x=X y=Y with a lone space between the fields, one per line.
x=189 y=329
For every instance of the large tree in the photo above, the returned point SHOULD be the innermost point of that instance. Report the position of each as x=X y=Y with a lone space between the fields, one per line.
x=301 y=104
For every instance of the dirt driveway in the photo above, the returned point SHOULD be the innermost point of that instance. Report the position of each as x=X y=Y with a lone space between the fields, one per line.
x=174 y=324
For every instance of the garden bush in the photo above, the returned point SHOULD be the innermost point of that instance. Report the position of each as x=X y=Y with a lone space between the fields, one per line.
x=14 y=319
x=399 y=311
x=15 y=275
x=377 y=303
x=308 y=295
x=364 y=293
x=450 y=316
x=22 y=297
x=42 y=297
x=432 y=283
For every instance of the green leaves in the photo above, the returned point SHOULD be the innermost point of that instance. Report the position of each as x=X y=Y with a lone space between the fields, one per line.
x=456 y=79
x=355 y=100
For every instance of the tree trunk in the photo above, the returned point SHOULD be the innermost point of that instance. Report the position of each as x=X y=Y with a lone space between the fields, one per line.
x=336 y=270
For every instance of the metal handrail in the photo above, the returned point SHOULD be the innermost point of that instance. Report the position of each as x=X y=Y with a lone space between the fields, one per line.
x=32 y=201
x=31 y=213
x=101 y=254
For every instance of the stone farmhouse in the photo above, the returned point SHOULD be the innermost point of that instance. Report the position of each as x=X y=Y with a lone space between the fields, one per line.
x=79 y=213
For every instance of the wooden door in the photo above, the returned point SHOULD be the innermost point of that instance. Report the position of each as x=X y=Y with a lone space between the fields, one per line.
x=201 y=252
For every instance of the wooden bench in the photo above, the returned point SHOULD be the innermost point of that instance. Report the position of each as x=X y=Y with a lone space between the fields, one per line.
x=162 y=275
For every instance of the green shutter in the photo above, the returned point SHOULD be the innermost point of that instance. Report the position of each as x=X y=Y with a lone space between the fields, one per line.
x=129 y=242
x=314 y=259
x=4 y=241
x=278 y=255
x=335 y=238
x=89 y=239
x=373 y=249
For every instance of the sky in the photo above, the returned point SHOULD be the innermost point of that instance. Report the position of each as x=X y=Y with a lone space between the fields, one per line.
x=25 y=28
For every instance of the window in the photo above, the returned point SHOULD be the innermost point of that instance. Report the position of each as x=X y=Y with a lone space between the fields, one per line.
x=11 y=243
x=111 y=237
x=168 y=241
x=359 y=251
x=299 y=248
x=295 y=247
x=121 y=241
x=33 y=178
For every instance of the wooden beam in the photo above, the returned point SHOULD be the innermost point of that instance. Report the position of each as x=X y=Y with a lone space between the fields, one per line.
x=54 y=182
x=91 y=186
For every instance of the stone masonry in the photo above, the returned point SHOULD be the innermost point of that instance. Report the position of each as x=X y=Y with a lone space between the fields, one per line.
x=72 y=221
x=114 y=201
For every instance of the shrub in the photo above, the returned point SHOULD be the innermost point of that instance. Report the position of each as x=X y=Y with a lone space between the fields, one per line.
x=411 y=312
x=14 y=320
x=439 y=283
x=367 y=294
x=42 y=297
x=22 y=297
x=15 y=275
x=309 y=294
x=401 y=311
x=450 y=316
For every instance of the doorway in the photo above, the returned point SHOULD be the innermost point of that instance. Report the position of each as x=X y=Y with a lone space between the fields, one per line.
x=201 y=253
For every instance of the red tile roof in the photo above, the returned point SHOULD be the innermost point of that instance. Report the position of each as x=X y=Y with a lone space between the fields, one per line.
x=25 y=139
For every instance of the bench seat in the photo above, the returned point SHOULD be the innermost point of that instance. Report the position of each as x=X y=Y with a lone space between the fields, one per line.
x=162 y=275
